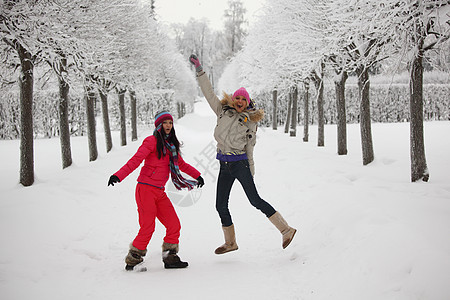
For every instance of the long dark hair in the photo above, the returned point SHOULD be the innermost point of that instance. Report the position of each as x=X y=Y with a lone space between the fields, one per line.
x=172 y=138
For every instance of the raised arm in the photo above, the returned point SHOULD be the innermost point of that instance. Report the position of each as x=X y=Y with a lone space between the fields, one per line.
x=206 y=86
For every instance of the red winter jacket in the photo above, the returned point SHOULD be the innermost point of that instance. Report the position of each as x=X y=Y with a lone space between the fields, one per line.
x=155 y=171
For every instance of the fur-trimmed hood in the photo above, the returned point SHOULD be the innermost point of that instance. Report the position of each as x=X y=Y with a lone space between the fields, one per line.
x=255 y=115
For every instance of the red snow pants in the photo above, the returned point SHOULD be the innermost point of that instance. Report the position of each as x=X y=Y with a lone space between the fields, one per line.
x=152 y=202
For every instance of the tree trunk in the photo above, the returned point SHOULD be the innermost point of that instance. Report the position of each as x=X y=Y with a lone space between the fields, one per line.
x=123 y=127
x=341 y=114
x=134 y=116
x=183 y=109
x=293 y=131
x=179 y=110
x=306 y=112
x=365 y=123
x=289 y=110
x=318 y=82
x=106 y=125
x=26 y=117
x=274 y=113
x=90 y=117
x=419 y=168
x=64 y=128
x=321 y=119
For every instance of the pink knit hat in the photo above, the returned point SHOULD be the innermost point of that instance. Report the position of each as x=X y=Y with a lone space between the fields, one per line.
x=242 y=92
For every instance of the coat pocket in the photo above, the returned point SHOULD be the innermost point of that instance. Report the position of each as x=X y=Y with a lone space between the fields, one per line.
x=148 y=171
x=238 y=135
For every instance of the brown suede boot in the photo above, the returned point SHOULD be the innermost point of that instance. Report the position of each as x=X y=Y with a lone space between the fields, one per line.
x=286 y=231
x=230 y=240
x=170 y=258
x=134 y=257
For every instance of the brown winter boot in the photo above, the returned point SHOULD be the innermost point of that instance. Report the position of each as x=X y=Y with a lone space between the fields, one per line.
x=230 y=240
x=170 y=258
x=281 y=224
x=134 y=257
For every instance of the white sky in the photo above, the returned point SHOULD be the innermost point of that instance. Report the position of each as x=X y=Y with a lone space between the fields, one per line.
x=180 y=11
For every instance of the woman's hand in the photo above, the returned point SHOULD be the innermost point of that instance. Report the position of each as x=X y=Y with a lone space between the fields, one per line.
x=113 y=179
x=193 y=59
x=200 y=182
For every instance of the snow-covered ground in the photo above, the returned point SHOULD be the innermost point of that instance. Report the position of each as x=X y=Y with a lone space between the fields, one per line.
x=364 y=232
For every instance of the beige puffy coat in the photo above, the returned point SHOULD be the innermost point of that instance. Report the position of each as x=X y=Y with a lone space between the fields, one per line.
x=235 y=132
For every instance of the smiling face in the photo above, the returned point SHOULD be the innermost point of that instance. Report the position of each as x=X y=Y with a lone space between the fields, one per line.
x=240 y=103
x=167 y=126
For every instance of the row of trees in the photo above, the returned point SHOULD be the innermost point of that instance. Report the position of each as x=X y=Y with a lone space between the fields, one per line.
x=297 y=42
x=46 y=121
x=388 y=104
x=97 y=47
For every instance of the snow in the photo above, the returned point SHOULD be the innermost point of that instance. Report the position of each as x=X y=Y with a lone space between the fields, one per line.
x=364 y=232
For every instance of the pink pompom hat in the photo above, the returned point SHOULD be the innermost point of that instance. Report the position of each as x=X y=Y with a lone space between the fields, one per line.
x=242 y=92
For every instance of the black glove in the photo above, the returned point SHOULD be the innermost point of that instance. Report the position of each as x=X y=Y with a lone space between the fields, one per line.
x=200 y=182
x=113 y=179
x=193 y=59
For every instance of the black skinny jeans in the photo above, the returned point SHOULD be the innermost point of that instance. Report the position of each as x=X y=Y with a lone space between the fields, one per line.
x=240 y=170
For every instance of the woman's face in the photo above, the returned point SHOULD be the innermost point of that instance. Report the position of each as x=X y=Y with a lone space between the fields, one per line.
x=240 y=103
x=167 y=126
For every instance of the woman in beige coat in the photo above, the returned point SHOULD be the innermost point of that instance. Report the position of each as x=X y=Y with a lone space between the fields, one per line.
x=235 y=134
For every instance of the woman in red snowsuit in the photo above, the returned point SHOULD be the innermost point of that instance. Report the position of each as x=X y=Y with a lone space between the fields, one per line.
x=161 y=155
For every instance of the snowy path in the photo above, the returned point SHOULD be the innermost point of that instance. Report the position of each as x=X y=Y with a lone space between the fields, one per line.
x=364 y=232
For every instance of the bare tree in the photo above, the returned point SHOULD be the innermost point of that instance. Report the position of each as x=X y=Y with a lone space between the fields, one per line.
x=90 y=98
x=274 y=112
x=234 y=25
x=419 y=169
x=427 y=26
x=26 y=115
x=364 y=114
x=105 y=86
x=22 y=29
x=289 y=113
x=306 y=111
x=123 y=127
x=318 y=82
x=337 y=63
x=105 y=117
x=64 y=128
x=294 y=112
x=339 y=84
x=133 y=115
